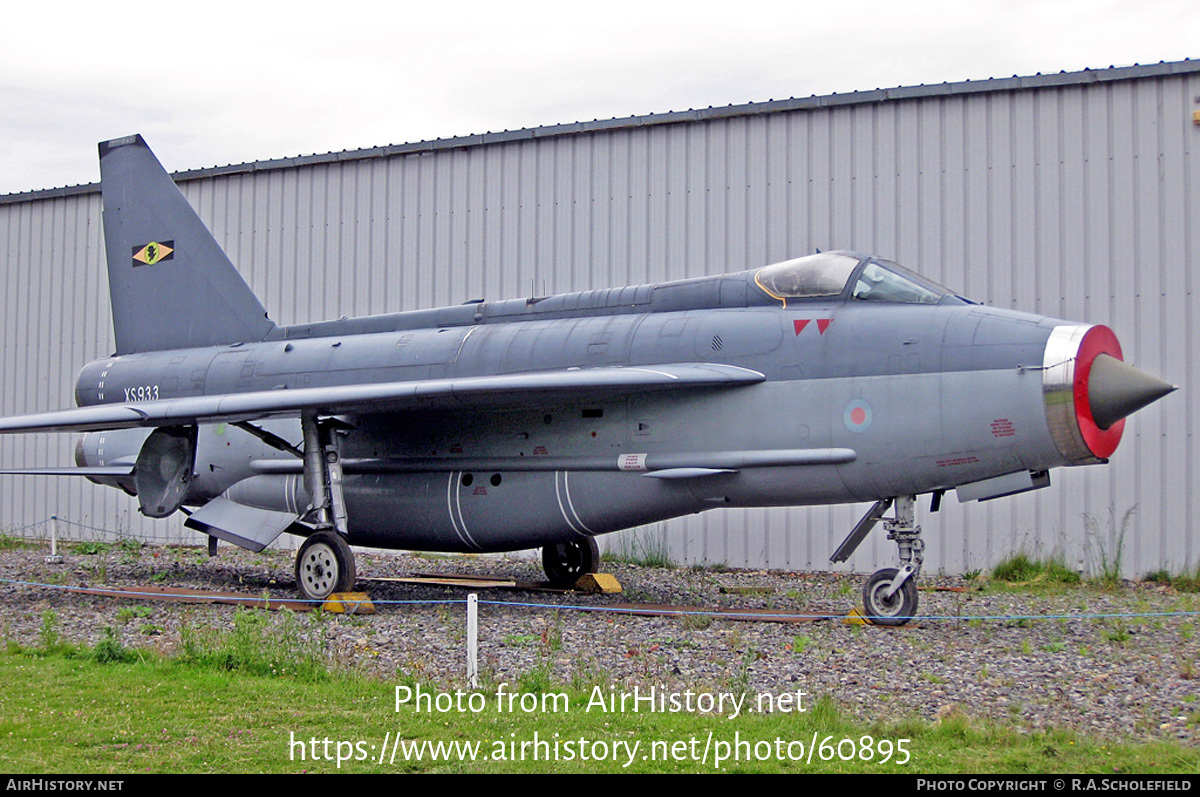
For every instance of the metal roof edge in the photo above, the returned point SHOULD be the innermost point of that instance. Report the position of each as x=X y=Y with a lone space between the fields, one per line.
x=49 y=193
x=814 y=102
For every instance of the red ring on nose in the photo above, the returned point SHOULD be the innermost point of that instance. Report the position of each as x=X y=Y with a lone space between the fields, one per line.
x=1098 y=340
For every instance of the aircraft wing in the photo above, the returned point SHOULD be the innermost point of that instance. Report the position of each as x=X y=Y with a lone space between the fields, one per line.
x=498 y=391
x=75 y=470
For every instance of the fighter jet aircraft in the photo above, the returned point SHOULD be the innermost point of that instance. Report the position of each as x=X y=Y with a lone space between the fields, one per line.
x=546 y=421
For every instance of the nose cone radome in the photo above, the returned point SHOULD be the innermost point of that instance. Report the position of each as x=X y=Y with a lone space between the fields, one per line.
x=1117 y=389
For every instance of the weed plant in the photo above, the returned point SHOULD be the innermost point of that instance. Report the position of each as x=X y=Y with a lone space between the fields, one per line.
x=645 y=546
x=1023 y=569
x=110 y=650
x=1184 y=582
x=1105 y=548
x=9 y=543
x=258 y=646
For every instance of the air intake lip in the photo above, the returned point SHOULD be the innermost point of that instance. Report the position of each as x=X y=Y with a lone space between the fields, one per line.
x=1070 y=351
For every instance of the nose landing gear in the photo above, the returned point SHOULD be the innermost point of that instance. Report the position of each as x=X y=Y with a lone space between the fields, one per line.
x=890 y=594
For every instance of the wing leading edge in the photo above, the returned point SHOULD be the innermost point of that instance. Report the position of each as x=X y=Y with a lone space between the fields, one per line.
x=500 y=391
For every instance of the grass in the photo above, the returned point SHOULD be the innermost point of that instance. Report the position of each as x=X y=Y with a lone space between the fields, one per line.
x=521 y=640
x=110 y=650
x=235 y=699
x=1023 y=571
x=263 y=696
x=127 y=613
x=257 y=646
x=120 y=714
x=1026 y=571
x=1106 y=547
x=10 y=543
x=645 y=546
x=800 y=643
x=1184 y=582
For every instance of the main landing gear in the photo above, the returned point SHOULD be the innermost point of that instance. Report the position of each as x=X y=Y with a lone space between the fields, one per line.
x=565 y=562
x=325 y=563
x=890 y=594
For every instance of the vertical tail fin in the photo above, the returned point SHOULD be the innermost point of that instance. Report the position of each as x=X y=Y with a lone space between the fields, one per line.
x=172 y=286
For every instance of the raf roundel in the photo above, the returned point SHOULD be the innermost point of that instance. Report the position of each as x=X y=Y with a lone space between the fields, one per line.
x=858 y=416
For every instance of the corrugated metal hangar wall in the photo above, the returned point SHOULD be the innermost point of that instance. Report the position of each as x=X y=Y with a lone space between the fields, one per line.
x=1072 y=195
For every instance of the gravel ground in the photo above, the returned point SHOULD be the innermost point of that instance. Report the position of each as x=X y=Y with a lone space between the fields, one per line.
x=1116 y=677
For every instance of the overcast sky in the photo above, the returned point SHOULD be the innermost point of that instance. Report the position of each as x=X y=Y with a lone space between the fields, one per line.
x=217 y=82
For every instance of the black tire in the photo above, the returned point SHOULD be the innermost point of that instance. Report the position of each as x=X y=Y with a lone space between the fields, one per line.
x=896 y=610
x=565 y=562
x=324 y=565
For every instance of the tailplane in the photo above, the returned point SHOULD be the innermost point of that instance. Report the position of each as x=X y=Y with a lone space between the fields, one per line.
x=172 y=286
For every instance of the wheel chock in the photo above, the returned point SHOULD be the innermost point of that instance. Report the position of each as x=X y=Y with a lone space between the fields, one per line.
x=856 y=617
x=349 y=603
x=603 y=583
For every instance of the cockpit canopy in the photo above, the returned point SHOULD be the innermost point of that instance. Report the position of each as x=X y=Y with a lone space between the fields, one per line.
x=841 y=274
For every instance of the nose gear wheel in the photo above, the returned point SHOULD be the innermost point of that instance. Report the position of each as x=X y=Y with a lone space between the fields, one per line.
x=883 y=609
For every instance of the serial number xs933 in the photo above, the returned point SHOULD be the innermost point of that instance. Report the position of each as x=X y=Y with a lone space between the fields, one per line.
x=142 y=393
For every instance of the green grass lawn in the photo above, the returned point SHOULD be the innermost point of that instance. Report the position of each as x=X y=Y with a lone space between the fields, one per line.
x=223 y=706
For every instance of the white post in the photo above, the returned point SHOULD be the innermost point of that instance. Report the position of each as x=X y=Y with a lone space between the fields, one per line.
x=473 y=640
x=54 y=558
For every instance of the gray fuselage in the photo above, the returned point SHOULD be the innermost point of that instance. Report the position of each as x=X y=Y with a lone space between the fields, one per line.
x=888 y=398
